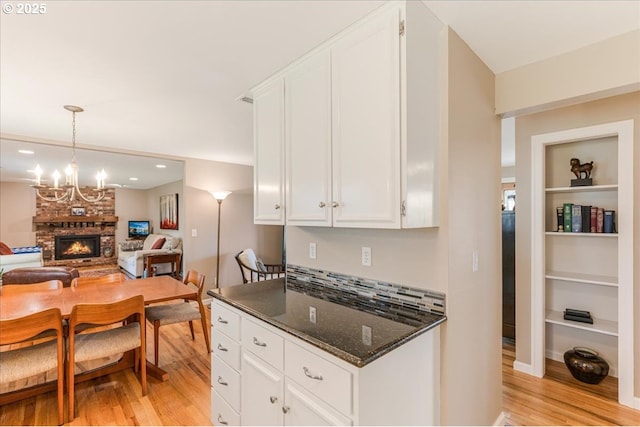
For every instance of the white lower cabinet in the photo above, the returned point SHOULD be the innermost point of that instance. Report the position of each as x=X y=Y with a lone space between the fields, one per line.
x=283 y=380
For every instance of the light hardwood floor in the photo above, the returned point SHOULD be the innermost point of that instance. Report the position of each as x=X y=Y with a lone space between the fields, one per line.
x=184 y=399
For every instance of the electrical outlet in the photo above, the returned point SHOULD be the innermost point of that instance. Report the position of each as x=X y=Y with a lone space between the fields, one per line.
x=312 y=250
x=194 y=232
x=366 y=335
x=312 y=314
x=474 y=265
x=366 y=256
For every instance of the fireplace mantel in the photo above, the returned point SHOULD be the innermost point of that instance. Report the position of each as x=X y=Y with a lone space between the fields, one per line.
x=65 y=221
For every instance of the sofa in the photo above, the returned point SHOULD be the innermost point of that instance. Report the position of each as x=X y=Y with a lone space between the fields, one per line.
x=28 y=256
x=26 y=275
x=131 y=253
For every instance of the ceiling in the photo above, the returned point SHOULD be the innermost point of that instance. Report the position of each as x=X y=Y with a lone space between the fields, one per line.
x=164 y=77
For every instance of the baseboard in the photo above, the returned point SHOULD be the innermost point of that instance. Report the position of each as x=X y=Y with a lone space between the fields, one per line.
x=206 y=302
x=523 y=367
x=501 y=420
x=637 y=403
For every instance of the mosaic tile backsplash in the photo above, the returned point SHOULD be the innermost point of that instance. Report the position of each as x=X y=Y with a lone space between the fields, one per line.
x=372 y=292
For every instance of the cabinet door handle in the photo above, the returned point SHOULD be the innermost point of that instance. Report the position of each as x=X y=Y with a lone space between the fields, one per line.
x=259 y=343
x=273 y=399
x=285 y=409
x=313 y=377
x=221 y=420
x=277 y=206
x=221 y=320
x=221 y=381
x=221 y=348
x=334 y=204
x=322 y=204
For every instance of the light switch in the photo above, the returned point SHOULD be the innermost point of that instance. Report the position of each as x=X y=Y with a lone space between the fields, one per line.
x=194 y=232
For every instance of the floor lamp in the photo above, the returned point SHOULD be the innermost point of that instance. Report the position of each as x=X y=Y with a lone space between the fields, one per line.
x=219 y=196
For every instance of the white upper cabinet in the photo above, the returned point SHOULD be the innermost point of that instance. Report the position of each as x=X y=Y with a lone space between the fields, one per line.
x=308 y=142
x=268 y=172
x=366 y=124
x=362 y=126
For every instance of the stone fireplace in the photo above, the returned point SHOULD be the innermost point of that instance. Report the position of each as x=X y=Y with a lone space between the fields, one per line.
x=77 y=246
x=76 y=240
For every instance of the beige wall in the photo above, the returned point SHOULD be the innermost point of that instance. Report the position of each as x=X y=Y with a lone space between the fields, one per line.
x=130 y=205
x=237 y=231
x=17 y=208
x=604 y=69
x=440 y=258
x=612 y=109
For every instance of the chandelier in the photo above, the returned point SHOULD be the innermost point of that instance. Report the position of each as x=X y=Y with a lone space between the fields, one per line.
x=68 y=191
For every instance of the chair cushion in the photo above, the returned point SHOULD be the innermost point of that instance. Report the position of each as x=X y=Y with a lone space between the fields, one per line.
x=248 y=258
x=107 y=342
x=168 y=314
x=28 y=361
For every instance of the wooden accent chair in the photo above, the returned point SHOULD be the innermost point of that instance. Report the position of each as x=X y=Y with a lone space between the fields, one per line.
x=254 y=270
x=24 y=362
x=167 y=314
x=49 y=285
x=108 y=278
x=107 y=342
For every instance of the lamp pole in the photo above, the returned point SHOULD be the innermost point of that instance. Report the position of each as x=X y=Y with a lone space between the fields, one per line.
x=219 y=196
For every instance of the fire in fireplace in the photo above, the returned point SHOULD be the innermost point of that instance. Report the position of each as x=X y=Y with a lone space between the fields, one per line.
x=77 y=246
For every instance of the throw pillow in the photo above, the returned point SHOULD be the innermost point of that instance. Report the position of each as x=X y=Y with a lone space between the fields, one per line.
x=158 y=243
x=5 y=250
x=260 y=265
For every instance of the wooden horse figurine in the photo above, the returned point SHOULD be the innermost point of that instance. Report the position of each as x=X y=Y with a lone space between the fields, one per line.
x=578 y=169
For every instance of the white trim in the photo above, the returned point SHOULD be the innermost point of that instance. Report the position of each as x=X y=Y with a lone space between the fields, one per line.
x=623 y=130
x=525 y=368
x=501 y=420
x=637 y=403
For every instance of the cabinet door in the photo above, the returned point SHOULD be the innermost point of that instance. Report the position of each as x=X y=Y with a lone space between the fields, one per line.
x=308 y=142
x=305 y=409
x=261 y=392
x=366 y=125
x=268 y=172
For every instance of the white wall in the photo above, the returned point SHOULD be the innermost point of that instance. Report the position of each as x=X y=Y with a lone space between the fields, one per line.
x=131 y=205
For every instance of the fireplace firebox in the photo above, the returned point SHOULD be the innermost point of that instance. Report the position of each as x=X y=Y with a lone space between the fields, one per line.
x=77 y=246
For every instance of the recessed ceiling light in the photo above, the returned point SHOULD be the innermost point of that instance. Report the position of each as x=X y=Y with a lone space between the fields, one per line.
x=25 y=151
x=161 y=166
x=133 y=178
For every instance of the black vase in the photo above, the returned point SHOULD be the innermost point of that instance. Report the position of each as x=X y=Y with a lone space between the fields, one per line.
x=585 y=365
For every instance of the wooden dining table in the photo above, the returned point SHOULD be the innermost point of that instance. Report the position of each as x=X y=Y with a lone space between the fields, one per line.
x=18 y=303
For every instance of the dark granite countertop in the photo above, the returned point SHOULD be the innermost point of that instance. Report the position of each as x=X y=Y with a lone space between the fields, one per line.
x=341 y=322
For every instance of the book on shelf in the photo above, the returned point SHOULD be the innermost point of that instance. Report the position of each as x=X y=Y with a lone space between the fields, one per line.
x=566 y=207
x=586 y=219
x=600 y=221
x=609 y=221
x=593 y=220
x=576 y=219
x=560 y=219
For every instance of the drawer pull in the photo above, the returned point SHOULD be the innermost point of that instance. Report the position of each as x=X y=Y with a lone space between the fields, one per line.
x=221 y=420
x=259 y=343
x=221 y=381
x=285 y=409
x=313 y=377
x=221 y=348
x=221 y=320
x=273 y=399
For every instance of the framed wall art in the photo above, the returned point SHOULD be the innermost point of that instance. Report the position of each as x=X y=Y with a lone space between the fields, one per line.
x=169 y=212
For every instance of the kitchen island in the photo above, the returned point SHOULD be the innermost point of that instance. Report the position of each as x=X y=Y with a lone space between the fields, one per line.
x=289 y=351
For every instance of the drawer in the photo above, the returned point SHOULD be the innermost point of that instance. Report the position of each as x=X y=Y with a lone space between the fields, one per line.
x=226 y=382
x=225 y=348
x=225 y=320
x=326 y=380
x=263 y=343
x=221 y=413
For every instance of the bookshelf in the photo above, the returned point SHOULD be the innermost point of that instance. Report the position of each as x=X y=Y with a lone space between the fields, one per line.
x=584 y=270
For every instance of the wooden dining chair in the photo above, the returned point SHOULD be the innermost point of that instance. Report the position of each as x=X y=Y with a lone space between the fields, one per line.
x=49 y=285
x=108 y=278
x=27 y=361
x=167 y=314
x=95 y=345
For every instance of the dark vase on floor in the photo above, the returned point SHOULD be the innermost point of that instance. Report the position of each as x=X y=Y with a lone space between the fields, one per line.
x=585 y=365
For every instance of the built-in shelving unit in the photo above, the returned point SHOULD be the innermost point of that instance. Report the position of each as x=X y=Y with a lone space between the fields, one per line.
x=585 y=271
